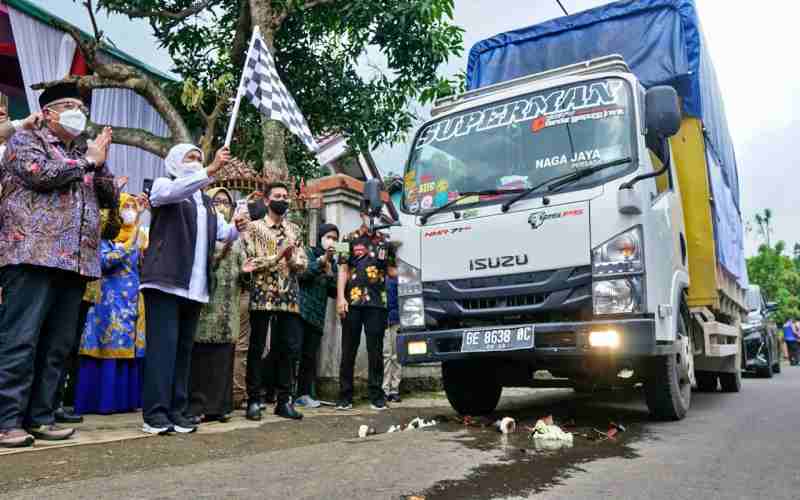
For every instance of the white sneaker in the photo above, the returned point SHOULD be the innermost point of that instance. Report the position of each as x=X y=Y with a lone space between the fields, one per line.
x=161 y=431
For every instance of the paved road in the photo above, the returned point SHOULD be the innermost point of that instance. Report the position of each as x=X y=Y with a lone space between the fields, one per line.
x=730 y=446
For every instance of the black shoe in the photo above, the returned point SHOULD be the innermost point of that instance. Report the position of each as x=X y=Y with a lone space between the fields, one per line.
x=344 y=405
x=378 y=405
x=194 y=419
x=65 y=417
x=393 y=398
x=286 y=410
x=253 y=411
x=183 y=425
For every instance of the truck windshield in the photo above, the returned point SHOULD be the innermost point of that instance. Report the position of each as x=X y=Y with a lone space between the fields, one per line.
x=521 y=142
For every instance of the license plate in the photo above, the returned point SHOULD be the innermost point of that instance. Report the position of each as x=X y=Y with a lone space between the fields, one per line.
x=497 y=339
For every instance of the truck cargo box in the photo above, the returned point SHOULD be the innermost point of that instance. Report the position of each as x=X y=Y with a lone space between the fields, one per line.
x=662 y=42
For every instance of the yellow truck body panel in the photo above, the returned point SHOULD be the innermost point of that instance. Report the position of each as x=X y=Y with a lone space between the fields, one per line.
x=710 y=285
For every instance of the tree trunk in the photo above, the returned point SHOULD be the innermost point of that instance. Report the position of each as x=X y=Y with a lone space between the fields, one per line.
x=274 y=155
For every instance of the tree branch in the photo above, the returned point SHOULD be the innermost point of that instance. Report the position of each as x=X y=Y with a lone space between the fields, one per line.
x=313 y=3
x=169 y=14
x=138 y=138
x=207 y=141
x=98 y=35
x=119 y=76
x=244 y=26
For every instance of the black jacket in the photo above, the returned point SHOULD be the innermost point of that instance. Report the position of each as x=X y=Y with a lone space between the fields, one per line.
x=169 y=258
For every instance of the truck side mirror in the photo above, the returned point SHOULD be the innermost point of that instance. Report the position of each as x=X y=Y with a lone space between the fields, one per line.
x=772 y=307
x=662 y=111
x=372 y=195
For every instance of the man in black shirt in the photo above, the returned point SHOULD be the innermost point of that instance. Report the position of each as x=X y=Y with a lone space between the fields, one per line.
x=362 y=303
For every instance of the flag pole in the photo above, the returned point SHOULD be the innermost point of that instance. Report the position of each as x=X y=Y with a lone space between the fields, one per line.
x=240 y=91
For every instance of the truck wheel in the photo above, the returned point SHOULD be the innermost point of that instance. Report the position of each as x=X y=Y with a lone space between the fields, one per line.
x=731 y=382
x=668 y=383
x=766 y=371
x=471 y=387
x=706 y=381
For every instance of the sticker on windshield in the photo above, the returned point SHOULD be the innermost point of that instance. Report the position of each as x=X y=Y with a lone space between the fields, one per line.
x=573 y=117
x=410 y=179
x=428 y=187
x=577 y=160
x=442 y=186
x=514 y=182
x=427 y=202
x=412 y=195
x=588 y=101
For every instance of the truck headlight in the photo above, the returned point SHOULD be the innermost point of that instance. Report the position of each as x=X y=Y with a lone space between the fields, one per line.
x=409 y=292
x=622 y=254
x=617 y=274
x=409 y=279
x=617 y=296
x=412 y=312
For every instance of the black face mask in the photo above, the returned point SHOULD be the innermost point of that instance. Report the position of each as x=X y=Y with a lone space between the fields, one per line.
x=257 y=209
x=279 y=206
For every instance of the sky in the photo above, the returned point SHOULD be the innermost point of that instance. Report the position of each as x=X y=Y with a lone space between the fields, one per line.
x=753 y=45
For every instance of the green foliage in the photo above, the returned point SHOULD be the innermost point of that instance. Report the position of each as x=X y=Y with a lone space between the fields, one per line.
x=779 y=278
x=323 y=55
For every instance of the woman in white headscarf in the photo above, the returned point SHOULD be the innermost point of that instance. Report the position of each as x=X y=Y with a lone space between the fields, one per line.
x=177 y=279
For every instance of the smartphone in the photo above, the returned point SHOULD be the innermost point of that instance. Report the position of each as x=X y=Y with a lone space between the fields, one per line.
x=241 y=206
x=147 y=185
x=342 y=248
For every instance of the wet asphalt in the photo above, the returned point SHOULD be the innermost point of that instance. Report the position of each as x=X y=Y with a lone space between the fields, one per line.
x=730 y=446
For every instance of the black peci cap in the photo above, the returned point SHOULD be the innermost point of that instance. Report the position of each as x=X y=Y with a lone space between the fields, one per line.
x=60 y=91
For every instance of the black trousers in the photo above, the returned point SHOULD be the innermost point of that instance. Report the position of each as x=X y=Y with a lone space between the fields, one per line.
x=65 y=395
x=307 y=372
x=792 y=347
x=171 y=323
x=285 y=345
x=373 y=322
x=38 y=315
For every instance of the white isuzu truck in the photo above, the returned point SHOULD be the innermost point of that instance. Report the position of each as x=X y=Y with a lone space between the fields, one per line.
x=580 y=218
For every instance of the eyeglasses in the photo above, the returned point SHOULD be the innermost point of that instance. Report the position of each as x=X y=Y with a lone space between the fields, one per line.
x=69 y=106
x=223 y=203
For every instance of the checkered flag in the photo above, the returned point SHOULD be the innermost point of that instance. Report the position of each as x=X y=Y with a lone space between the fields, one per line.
x=263 y=87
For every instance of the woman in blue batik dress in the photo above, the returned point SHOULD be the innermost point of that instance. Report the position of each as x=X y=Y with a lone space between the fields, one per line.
x=113 y=341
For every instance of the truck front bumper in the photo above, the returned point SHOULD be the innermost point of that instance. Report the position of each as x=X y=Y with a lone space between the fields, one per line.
x=636 y=338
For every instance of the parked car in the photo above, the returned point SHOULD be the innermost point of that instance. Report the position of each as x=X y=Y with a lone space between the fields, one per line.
x=761 y=349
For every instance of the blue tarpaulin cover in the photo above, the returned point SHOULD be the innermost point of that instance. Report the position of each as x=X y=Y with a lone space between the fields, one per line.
x=663 y=44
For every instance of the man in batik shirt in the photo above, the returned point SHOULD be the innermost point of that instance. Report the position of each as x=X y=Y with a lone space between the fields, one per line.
x=54 y=184
x=275 y=259
x=362 y=304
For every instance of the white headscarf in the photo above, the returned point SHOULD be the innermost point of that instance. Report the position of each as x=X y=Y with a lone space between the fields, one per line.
x=174 y=159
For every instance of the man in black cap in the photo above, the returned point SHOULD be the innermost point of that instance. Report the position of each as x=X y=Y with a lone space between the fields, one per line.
x=54 y=183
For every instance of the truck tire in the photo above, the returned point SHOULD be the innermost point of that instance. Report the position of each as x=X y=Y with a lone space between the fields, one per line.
x=731 y=382
x=766 y=372
x=706 y=381
x=471 y=387
x=667 y=391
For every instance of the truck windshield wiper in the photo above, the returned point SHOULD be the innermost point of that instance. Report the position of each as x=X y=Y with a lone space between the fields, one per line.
x=562 y=180
x=424 y=219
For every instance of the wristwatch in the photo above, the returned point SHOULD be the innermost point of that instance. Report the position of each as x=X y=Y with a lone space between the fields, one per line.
x=91 y=166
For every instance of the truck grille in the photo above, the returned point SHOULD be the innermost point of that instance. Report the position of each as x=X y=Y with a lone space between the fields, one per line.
x=518 y=295
x=511 y=301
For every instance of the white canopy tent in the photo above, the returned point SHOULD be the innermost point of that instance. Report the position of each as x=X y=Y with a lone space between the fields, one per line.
x=46 y=53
